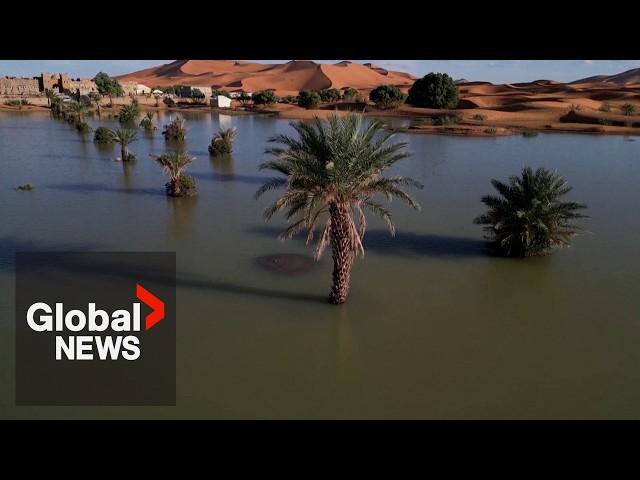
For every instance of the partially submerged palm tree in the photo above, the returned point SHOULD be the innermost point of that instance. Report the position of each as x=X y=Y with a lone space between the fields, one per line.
x=78 y=109
x=222 y=142
x=528 y=218
x=125 y=136
x=147 y=122
x=128 y=113
x=174 y=164
x=51 y=95
x=95 y=97
x=175 y=130
x=332 y=173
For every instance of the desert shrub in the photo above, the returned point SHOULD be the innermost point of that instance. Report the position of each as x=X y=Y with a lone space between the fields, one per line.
x=387 y=96
x=434 y=90
x=446 y=120
x=103 y=136
x=605 y=107
x=330 y=95
x=244 y=98
x=574 y=107
x=288 y=99
x=309 y=99
x=350 y=94
x=628 y=109
x=17 y=103
x=529 y=133
x=25 y=186
x=480 y=117
x=265 y=97
x=491 y=130
x=604 y=121
x=423 y=121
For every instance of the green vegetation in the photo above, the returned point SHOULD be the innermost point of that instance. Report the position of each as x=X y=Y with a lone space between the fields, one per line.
x=175 y=130
x=220 y=91
x=387 y=96
x=125 y=136
x=309 y=99
x=605 y=107
x=17 y=103
x=529 y=133
x=604 y=121
x=95 y=98
x=244 y=98
x=129 y=113
x=528 y=217
x=289 y=99
x=350 y=94
x=435 y=90
x=147 y=122
x=332 y=173
x=77 y=110
x=491 y=130
x=446 y=120
x=330 y=95
x=25 y=186
x=103 y=136
x=628 y=109
x=174 y=164
x=265 y=97
x=108 y=86
x=222 y=142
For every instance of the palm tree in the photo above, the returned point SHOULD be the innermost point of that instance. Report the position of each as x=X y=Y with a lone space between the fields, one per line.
x=175 y=130
x=147 y=122
x=628 y=109
x=332 y=173
x=51 y=95
x=222 y=142
x=128 y=113
x=78 y=109
x=174 y=164
x=96 y=98
x=125 y=136
x=528 y=217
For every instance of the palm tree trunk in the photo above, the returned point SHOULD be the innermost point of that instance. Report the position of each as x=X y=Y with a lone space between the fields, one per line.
x=124 y=151
x=343 y=254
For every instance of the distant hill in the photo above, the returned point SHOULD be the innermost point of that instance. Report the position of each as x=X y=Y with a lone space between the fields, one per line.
x=629 y=77
x=285 y=78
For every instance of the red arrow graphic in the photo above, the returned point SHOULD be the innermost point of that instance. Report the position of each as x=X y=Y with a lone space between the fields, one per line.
x=152 y=301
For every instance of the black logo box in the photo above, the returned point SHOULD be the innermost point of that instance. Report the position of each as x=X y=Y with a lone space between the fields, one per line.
x=109 y=280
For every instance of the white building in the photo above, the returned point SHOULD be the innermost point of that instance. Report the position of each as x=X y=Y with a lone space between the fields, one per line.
x=221 y=101
x=142 y=89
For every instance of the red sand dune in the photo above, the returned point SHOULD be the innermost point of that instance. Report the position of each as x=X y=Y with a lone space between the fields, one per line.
x=286 y=79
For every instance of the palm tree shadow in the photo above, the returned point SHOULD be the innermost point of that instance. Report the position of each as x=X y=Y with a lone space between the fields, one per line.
x=229 y=177
x=96 y=187
x=407 y=244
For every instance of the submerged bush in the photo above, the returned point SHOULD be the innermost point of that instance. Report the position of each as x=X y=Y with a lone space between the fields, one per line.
x=129 y=113
x=222 y=142
x=528 y=217
x=529 y=133
x=175 y=130
x=147 y=122
x=446 y=120
x=174 y=164
x=25 y=186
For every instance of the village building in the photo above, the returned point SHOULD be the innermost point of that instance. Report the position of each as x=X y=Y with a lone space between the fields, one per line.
x=220 y=101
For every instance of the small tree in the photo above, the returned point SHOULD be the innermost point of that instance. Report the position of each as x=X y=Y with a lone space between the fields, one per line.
x=174 y=164
x=529 y=218
x=175 y=130
x=350 y=94
x=95 y=98
x=222 y=142
x=125 y=136
x=628 y=109
x=103 y=136
x=435 y=90
x=147 y=122
x=219 y=91
x=387 y=96
x=330 y=95
x=78 y=109
x=108 y=86
x=265 y=97
x=244 y=98
x=309 y=99
x=129 y=113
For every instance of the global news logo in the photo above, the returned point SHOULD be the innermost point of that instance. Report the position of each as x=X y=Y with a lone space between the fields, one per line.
x=41 y=317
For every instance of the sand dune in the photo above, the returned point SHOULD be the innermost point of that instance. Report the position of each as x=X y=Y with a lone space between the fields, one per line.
x=286 y=79
x=625 y=78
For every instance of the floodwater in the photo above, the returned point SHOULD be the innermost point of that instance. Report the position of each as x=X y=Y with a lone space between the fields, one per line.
x=434 y=327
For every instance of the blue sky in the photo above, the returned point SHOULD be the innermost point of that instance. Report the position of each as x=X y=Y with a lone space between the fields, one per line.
x=497 y=71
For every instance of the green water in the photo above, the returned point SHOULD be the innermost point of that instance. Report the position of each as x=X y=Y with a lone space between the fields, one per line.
x=434 y=328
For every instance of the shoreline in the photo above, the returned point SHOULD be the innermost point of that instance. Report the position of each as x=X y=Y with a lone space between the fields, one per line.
x=466 y=126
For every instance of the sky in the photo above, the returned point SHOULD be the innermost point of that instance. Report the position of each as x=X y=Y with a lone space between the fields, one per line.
x=496 y=71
